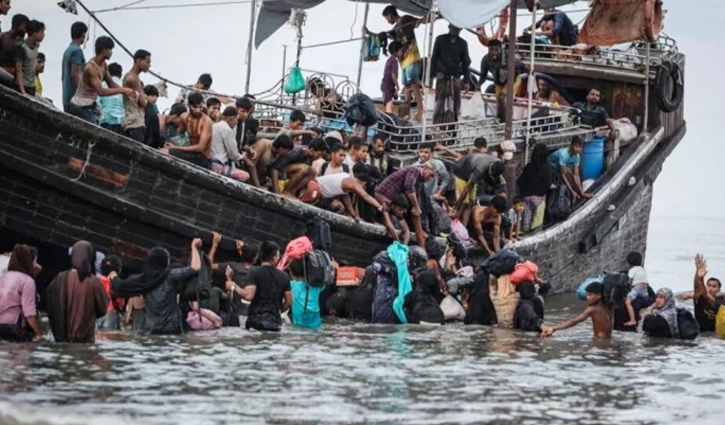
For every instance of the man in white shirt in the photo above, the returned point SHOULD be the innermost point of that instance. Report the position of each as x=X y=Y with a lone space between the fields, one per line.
x=224 y=151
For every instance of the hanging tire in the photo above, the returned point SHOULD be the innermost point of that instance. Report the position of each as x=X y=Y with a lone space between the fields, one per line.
x=670 y=87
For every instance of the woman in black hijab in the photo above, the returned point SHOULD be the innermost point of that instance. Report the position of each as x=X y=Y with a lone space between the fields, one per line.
x=159 y=285
x=534 y=184
x=529 y=315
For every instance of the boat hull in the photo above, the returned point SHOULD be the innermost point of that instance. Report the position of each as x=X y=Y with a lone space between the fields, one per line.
x=62 y=180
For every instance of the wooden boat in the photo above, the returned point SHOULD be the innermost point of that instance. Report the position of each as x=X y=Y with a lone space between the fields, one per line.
x=63 y=179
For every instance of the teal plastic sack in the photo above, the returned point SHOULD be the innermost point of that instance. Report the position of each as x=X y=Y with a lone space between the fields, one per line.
x=581 y=292
x=398 y=253
x=372 y=48
x=295 y=82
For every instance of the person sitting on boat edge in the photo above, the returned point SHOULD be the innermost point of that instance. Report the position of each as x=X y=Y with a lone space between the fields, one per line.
x=295 y=128
x=486 y=224
x=706 y=296
x=268 y=289
x=405 y=181
x=26 y=58
x=224 y=153
x=199 y=128
x=213 y=109
x=305 y=298
x=294 y=162
x=593 y=114
x=112 y=112
x=564 y=164
x=169 y=122
x=478 y=167
x=563 y=31
x=598 y=311
x=83 y=103
x=18 y=293
x=134 y=124
x=340 y=186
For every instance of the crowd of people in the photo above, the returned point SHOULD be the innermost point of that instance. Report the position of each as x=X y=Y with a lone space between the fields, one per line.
x=341 y=172
x=265 y=288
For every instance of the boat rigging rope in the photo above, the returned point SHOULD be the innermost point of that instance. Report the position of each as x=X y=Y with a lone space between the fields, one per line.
x=113 y=9
x=89 y=151
x=174 y=6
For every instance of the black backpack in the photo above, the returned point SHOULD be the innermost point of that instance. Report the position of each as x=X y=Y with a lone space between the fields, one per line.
x=687 y=324
x=558 y=203
x=360 y=298
x=198 y=287
x=319 y=270
x=616 y=288
x=319 y=233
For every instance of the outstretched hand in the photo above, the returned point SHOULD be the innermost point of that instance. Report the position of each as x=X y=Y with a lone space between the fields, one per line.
x=547 y=331
x=701 y=265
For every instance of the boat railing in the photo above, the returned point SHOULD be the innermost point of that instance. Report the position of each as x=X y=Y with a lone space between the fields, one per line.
x=339 y=84
x=635 y=58
x=548 y=121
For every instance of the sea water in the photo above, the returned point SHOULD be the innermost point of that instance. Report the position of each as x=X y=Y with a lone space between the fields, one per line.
x=351 y=373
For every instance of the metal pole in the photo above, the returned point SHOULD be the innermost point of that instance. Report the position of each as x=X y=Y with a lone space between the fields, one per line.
x=511 y=70
x=284 y=70
x=646 y=90
x=362 y=44
x=431 y=29
x=297 y=60
x=250 y=46
x=531 y=82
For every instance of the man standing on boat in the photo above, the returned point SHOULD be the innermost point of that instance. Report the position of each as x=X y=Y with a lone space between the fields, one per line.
x=83 y=104
x=73 y=62
x=593 y=114
x=496 y=62
x=4 y=8
x=404 y=32
x=450 y=61
x=9 y=42
x=134 y=126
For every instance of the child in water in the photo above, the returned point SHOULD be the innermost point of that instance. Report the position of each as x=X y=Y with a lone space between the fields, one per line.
x=600 y=313
x=640 y=286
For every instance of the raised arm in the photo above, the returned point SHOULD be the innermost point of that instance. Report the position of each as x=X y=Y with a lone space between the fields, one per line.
x=700 y=291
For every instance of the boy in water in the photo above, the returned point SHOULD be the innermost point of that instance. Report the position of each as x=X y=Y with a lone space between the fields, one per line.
x=600 y=313
x=305 y=298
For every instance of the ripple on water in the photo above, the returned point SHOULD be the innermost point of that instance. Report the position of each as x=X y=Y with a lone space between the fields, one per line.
x=353 y=373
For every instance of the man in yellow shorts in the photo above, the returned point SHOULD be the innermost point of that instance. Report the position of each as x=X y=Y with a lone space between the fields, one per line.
x=478 y=166
x=496 y=63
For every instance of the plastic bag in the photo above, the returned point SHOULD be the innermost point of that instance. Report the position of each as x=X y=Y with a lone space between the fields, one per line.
x=295 y=81
x=473 y=108
x=720 y=322
x=581 y=292
x=452 y=309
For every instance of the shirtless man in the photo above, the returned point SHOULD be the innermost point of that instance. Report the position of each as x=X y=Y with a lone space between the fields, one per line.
x=339 y=186
x=547 y=95
x=601 y=315
x=199 y=128
x=490 y=217
x=83 y=103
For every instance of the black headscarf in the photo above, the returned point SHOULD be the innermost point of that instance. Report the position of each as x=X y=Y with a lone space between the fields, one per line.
x=156 y=267
x=427 y=282
x=83 y=259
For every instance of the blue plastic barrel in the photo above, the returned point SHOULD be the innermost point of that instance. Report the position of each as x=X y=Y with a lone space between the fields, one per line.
x=593 y=158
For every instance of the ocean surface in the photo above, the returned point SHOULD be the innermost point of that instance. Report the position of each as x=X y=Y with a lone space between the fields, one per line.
x=352 y=373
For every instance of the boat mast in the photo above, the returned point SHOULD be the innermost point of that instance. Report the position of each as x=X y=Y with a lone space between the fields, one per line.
x=426 y=77
x=362 y=45
x=511 y=70
x=250 y=46
x=531 y=82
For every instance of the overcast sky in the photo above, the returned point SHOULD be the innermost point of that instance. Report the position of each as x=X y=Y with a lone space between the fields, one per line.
x=186 y=42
